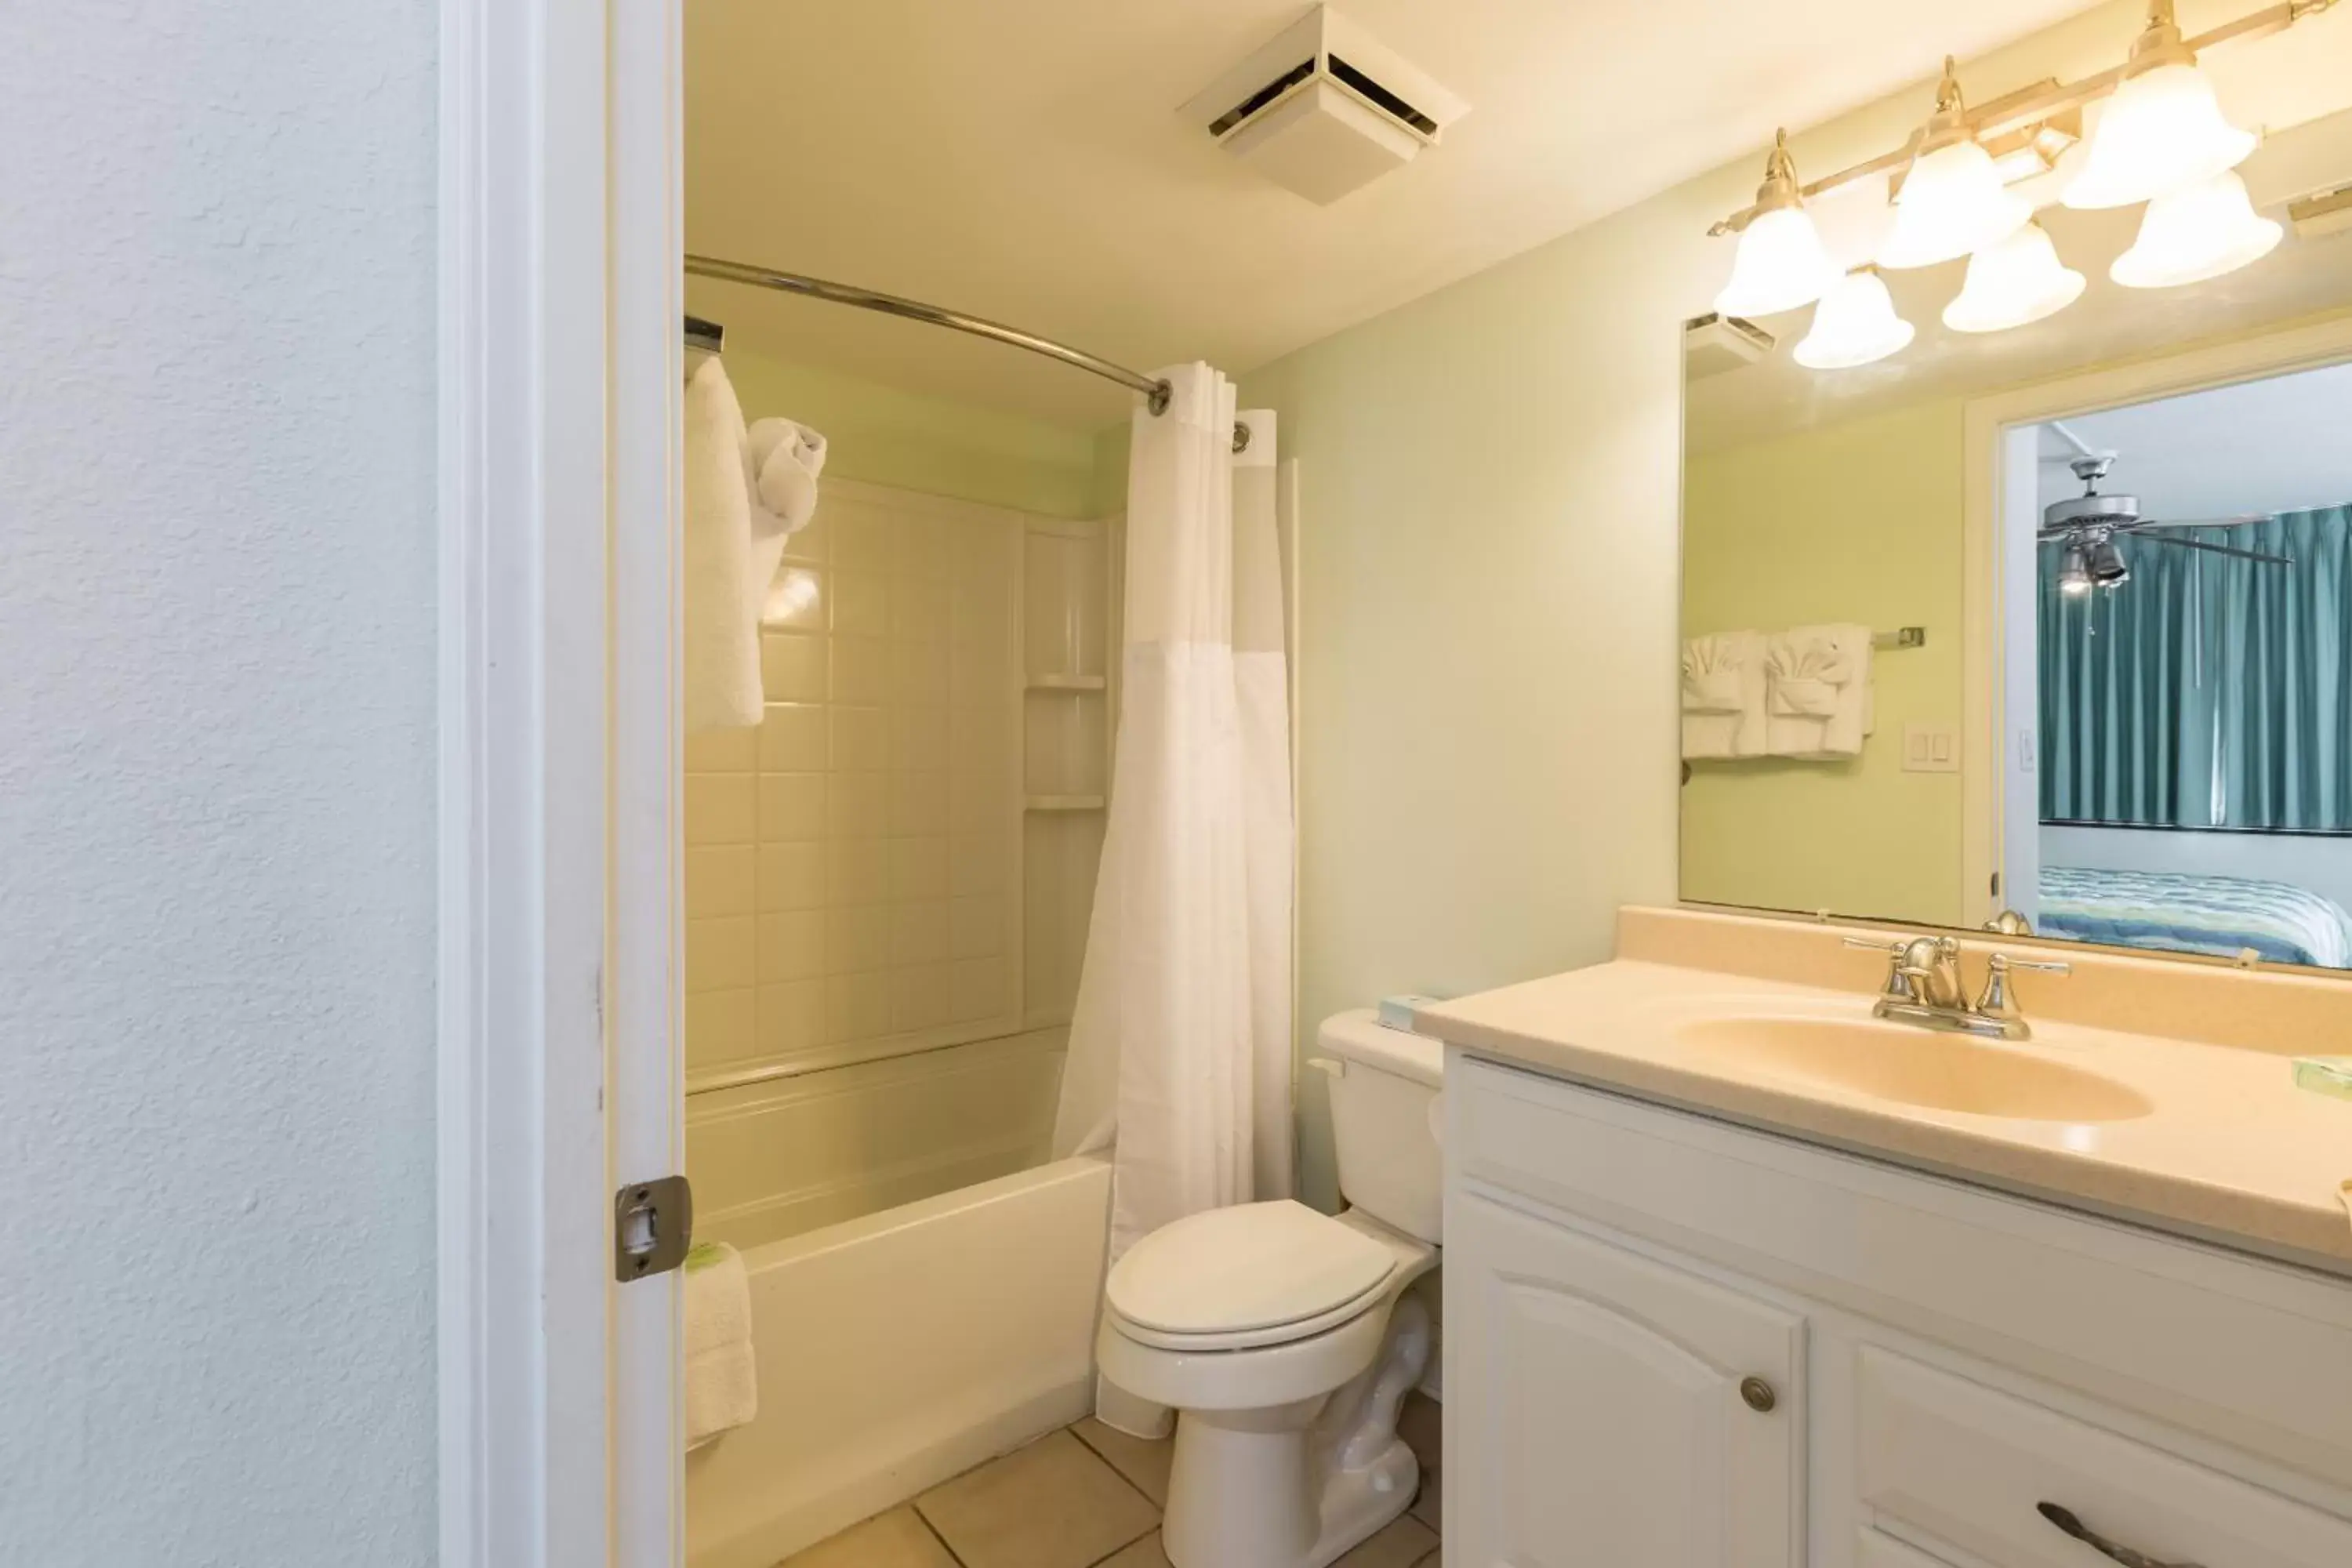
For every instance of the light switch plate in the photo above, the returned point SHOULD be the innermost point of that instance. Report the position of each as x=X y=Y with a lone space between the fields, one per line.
x=1931 y=749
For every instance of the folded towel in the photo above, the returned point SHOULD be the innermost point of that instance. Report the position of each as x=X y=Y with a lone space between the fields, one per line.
x=1817 y=681
x=724 y=586
x=1723 y=696
x=722 y=1383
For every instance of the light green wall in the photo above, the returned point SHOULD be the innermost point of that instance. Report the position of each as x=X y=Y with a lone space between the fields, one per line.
x=936 y=445
x=1488 y=716
x=1859 y=522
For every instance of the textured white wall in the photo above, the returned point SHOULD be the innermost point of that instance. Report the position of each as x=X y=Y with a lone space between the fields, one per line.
x=216 y=735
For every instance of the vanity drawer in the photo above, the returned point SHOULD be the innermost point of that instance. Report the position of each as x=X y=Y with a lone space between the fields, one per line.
x=1944 y=1460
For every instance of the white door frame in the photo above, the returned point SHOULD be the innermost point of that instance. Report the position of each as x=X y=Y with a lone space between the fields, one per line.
x=2304 y=346
x=559 y=364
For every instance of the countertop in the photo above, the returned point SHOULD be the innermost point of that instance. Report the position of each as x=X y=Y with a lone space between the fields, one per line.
x=2227 y=1150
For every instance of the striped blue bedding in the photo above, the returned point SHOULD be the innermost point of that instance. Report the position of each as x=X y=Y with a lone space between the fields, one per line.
x=2173 y=912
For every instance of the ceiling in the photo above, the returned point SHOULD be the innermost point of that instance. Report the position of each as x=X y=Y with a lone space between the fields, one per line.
x=1023 y=160
x=2275 y=444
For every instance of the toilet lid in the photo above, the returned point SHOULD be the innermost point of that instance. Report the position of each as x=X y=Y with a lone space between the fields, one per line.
x=1258 y=1265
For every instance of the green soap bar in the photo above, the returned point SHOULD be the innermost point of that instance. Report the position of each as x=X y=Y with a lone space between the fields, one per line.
x=2324 y=1075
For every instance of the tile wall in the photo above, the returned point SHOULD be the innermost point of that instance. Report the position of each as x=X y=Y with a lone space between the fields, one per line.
x=898 y=863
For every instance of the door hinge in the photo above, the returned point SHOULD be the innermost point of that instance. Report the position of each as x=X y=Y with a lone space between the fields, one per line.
x=652 y=1226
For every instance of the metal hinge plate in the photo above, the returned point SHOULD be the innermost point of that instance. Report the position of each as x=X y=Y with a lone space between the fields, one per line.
x=652 y=1226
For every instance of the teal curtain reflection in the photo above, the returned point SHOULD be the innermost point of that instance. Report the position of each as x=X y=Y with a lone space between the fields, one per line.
x=2207 y=691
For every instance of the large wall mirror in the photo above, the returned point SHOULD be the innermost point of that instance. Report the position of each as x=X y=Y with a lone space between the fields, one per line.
x=2051 y=624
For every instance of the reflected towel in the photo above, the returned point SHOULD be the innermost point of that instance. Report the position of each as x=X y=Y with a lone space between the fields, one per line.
x=1817 y=681
x=1723 y=696
x=722 y=1381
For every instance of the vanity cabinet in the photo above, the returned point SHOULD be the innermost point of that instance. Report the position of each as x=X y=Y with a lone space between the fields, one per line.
x=1607 y=1417
x=1627 y=1284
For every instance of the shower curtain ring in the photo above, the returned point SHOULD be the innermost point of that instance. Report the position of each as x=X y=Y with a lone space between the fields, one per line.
x=1162 y=394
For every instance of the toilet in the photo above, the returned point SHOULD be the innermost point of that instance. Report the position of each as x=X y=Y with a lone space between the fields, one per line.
x=1283 y=1338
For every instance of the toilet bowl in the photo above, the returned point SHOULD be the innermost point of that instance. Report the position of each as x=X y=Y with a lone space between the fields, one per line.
x=1283 y=1339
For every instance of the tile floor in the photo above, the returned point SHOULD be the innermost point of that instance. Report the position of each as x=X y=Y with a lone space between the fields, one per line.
x=1087 y=1497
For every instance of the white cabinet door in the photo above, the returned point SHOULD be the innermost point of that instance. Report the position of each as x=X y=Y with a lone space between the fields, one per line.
x=1598 y=1417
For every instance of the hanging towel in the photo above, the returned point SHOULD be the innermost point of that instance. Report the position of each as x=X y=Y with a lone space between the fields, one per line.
x=785 y=458
x=724 y=588
x=1817 y=691
x=722 y=1383
x=1723 y=696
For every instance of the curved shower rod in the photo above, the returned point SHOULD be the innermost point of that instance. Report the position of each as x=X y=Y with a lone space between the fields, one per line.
x=1156 y=394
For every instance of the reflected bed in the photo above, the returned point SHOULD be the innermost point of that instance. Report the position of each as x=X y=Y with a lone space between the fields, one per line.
x=2171 y=912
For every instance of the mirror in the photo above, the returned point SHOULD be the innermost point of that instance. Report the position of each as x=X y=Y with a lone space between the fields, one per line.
x=2055 y=620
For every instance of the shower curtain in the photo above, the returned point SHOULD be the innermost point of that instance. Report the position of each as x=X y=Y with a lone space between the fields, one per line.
x=1180 y=1042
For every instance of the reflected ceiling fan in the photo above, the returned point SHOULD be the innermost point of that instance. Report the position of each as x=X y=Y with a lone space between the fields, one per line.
x=2092 y=523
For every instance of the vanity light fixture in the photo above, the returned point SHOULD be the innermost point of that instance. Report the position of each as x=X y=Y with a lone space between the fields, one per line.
x=1952 y=201
x=2189 y=236
x=2014 y=283
x=2073 y=572
x=1781 y=264
x=1854 y=324
x=2162 y=139
x=2162 y=131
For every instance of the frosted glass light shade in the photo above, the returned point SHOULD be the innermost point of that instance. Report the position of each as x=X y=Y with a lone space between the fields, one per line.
x=1854 y=324
x=1780 y=266
x=2013 y=282
x=2161 y=133
x=2189 y=236
x=1951 y=203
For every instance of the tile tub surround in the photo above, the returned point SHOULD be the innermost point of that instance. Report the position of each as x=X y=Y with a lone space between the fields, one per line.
x=1088 y=1497
x=2231 y=1152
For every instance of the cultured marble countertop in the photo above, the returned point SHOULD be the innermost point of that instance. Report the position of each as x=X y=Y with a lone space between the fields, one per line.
x=2228 y=1149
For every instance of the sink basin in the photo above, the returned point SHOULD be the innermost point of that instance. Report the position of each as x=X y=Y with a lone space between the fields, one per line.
x=1913 y=1066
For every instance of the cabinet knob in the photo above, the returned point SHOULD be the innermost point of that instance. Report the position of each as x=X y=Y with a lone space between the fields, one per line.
x=1757 y=1393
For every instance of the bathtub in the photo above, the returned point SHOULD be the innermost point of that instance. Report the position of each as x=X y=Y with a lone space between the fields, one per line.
x=898 y=1349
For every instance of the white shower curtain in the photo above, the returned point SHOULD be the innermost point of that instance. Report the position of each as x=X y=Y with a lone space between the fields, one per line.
x=1180 y=1046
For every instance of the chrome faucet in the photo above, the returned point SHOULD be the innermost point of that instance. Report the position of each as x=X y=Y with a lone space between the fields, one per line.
x=1924 y=987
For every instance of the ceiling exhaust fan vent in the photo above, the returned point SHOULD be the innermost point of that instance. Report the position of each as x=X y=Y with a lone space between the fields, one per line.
x=1323 y=109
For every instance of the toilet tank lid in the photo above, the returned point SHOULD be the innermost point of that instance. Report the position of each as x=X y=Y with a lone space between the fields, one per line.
x=1358 y=1036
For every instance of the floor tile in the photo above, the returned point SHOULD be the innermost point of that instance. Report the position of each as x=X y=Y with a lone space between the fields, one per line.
x=1401 y=1543
x=1145 y=1553
x=1141 y=1459
x=896 y=1539
x=1053 y=1504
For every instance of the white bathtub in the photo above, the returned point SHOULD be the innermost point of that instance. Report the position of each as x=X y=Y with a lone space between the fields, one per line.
x=900 y=1349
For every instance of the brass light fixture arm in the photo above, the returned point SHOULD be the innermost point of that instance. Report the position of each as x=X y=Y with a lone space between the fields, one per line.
x=2016 y=117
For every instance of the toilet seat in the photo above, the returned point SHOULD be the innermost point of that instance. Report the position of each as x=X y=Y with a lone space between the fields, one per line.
x=1248 y=1276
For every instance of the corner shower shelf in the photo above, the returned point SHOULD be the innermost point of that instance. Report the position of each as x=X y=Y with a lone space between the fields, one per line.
x=1067 y=683
x=1063 y=803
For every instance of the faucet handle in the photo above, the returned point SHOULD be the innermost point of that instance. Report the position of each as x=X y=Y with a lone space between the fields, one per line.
x=1998 y=1000
x=1894 y=987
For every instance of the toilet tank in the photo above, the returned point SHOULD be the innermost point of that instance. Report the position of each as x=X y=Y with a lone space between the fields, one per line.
x=1385 y=1089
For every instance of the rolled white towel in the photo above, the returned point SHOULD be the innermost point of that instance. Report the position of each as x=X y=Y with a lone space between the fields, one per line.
x=722 y=1379
x=785 y=460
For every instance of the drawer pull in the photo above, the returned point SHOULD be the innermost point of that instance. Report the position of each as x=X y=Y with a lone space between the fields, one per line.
x=2064 y=1520
x=1758 y=1393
